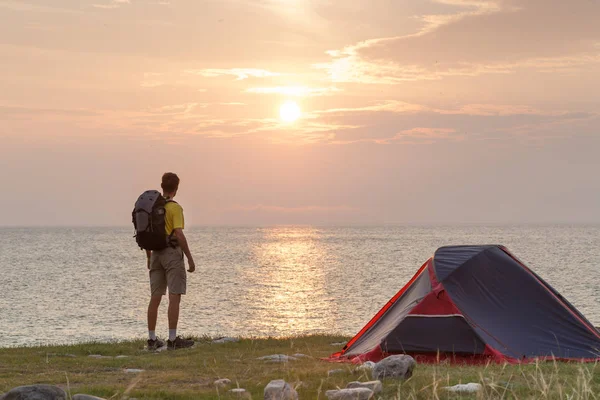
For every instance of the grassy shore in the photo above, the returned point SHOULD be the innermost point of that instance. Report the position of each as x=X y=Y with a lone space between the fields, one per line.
x=190 y=373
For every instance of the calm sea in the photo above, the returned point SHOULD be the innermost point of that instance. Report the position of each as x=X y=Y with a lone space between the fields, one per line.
x=66 y=285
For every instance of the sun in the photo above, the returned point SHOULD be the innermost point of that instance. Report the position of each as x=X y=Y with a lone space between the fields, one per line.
x=289 y=111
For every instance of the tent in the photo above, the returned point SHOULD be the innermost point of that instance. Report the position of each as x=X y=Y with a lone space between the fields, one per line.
x=475 y=304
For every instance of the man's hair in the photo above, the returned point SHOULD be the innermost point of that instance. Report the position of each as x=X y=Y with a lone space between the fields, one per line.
x=170 y=182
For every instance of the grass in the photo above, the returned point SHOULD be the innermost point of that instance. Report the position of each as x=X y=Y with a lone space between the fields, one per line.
x=190 y=373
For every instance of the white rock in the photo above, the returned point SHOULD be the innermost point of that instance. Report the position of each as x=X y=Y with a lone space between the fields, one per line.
x=367 y=366
x=122 y=356
x=133 y=371
x=280 y=390
x=86 y=397
x=222 y=382
x=464 y=388
x=349 y=394
x=240 y=393
x=37 y=392
x=335 y=372
x=397 y=366
x=374 y=386
x=226 y=340
x=98 y=356
x=281 y=358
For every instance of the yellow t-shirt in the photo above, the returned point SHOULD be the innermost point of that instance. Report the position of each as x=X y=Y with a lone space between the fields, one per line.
x=173 y=217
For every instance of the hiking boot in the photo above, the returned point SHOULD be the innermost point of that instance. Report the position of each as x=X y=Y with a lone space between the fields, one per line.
x=155 y=344
x=179 y=343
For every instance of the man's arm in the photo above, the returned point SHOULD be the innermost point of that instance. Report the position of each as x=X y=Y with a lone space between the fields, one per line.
x=148 y=254
x=181 y=240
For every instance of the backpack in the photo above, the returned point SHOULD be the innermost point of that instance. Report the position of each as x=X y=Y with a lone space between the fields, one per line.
x=148 y=219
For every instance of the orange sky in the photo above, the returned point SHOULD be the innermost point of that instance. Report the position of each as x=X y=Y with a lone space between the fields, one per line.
x=413 y=111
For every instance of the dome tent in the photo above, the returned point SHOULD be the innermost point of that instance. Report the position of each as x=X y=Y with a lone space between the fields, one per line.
x=475 y=304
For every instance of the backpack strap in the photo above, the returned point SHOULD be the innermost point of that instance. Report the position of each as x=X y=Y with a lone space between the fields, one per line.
x=172 y=241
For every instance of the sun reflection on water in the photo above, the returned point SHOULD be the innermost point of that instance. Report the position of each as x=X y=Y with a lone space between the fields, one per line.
x=288 y=282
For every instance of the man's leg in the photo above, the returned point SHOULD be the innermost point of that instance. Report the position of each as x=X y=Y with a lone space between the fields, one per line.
x=176 y=281
x=174 y=300
x=153 y=312
x=158 y=288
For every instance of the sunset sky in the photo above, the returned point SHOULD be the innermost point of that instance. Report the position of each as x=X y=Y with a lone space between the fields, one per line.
x=411 y=111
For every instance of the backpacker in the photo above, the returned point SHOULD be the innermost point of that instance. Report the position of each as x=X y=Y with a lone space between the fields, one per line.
x=148 y=219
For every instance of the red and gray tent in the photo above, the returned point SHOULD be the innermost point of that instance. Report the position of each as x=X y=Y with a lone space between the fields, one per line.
x=476 y=304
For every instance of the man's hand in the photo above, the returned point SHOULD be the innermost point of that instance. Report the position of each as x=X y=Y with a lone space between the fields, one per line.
x=191 y=266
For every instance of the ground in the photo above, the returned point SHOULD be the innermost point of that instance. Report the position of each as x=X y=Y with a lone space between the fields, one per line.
x=190 y=373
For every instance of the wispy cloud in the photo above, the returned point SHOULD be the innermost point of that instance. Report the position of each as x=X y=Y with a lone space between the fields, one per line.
x=32 y=7
x=392 y=60
x=239 y=73
x=293 y=210
x=112 y=4
x=299 y=91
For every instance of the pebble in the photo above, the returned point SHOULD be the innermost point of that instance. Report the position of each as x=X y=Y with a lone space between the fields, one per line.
x=37 y=392
x=374 y=386
x=240 y=393
x=277 y=358
x=226 y=340
x=222 y=382
x=367 y=366
x=280 y=390
x=335 y=372
x=464 y=388
x=349 y=394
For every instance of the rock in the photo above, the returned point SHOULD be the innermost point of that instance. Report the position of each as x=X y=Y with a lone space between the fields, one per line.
x=374 y=386
x=132 y=370
x=349 y=394
x=222 y=382
x=282 y=358
x=335 y=372
x=464 y=388
x=338 y=344
x=367 y=366
x=226 y=340
x=280 y=390
x=397 y=366
x=86 y=397
x=98 y=356
x=239 y=393
x=35 y=392
x=122 y=356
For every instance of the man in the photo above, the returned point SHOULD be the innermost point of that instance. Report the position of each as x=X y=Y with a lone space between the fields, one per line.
x=167 y=269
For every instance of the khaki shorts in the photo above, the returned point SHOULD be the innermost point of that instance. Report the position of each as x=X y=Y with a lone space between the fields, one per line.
x=167 y=269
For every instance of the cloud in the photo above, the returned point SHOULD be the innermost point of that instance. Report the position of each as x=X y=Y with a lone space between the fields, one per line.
x=239 y=73
x=31 y=7
x=300 y=91
x=489 y=37
x=112 y=4
x=29 y=112
x=292 y=210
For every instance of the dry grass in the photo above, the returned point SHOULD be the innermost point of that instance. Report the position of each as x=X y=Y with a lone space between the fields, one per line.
x=190 y=373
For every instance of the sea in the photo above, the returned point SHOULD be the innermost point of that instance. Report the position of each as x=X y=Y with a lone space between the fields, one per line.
x=65 y=285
